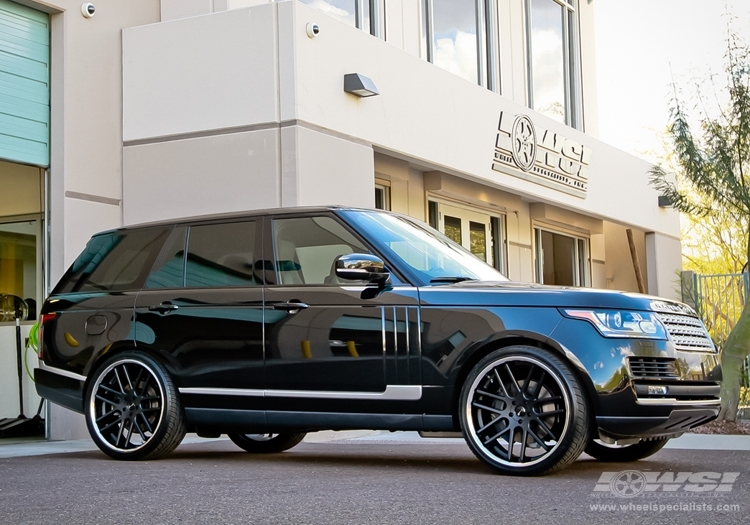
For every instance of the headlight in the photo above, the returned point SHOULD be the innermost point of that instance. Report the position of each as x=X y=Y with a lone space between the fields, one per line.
x=622 y=323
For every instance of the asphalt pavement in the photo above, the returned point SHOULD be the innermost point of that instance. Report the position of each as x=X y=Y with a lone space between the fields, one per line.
x=368 y=478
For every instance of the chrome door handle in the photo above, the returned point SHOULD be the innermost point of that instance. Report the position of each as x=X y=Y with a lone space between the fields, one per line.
x=292 y=306
x=163 y=308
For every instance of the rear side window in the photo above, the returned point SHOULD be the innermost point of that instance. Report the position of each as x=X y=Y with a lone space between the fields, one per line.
x=221 y=255
x=114 y=262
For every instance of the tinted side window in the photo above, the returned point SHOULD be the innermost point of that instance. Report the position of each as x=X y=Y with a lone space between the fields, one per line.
x=305 y=249
x=221 y=255
x=114 y=261
x=169 y=268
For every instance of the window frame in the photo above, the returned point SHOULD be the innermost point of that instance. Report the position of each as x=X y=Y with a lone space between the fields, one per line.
x=582 y=261
x=488 y=53
x=571 y=61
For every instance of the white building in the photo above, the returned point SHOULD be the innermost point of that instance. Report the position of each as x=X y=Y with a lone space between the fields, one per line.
x=485 y=126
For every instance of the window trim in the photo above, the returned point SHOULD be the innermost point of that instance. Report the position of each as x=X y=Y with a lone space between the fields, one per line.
x=499 y=248
x=487 y=41
x=571 y=62
x=538 y=254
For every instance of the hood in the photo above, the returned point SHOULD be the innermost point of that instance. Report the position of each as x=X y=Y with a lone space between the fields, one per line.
x=512 y=293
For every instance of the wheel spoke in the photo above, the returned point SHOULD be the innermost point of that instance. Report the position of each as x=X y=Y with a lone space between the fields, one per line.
x=493 y=396
x=500 y=380
x=104 y=399
x=119 y=434
x=496 y=436
x=119 y=381
x=540 y=441
x=145 y=384
x=547 y=430
x=539 y=385
x=492 y=422
x=527 y=381
x=551 y=399
x=513 y=378
x=522 y=453
x=110 y=390
x=550 y=413
x=110 y=425
x=138 y=428
x=490 y=409
x=107 y=414
x=148 y=425
x=127 y=377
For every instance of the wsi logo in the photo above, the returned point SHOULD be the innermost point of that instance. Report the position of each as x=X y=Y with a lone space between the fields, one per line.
x=631 y=483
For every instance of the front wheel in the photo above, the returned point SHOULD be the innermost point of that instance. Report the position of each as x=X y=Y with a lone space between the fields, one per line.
x=522 y=411
x=133 y=409
x=266 y=443
x=624 y=453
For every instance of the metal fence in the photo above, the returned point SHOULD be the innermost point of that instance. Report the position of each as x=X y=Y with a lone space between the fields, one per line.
x=719 y=300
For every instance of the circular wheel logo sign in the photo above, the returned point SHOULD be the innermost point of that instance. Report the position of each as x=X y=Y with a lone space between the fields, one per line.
x=628 y=483
x=523 y=138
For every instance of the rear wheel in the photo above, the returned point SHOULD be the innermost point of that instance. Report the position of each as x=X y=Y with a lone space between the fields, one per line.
x=266 y=443
x=522 y=411
x=133 y=409
x=624 y=453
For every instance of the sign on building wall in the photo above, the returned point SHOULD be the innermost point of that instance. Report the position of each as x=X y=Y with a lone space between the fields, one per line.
x=24 y=84
x=540 y=155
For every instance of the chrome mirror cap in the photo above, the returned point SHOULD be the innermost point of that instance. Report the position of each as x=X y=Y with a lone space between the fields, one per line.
x=361 y=267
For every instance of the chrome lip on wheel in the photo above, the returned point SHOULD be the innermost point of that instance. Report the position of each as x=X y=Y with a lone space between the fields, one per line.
x=519 y=411
x=126 y=405
x=260 y=437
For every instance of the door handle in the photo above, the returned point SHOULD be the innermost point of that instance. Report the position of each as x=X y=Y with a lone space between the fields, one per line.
x=292 y=306
x=163 y=308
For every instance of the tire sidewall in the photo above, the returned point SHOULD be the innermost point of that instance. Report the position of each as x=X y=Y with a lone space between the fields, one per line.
x=562 y=373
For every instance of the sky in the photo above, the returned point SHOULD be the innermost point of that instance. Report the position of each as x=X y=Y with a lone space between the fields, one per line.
x=645 y=46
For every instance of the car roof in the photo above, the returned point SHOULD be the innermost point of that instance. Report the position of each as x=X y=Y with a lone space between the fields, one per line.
x=237 y=215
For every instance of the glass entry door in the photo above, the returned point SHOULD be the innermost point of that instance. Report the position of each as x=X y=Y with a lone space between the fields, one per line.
x=470 y=229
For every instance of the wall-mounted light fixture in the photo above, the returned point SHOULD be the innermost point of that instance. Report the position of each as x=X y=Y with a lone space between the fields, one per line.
x=359 y=85
x=664 y=201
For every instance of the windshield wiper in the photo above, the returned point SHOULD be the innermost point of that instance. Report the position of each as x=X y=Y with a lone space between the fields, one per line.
x=451 y=279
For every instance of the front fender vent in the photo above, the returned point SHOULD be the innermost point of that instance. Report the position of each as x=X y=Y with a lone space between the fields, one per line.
x=653 y=367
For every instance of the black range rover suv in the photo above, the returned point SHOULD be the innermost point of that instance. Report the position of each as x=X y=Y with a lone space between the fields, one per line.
x=271 y=324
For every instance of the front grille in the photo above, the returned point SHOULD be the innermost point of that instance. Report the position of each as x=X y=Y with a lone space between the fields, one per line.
x=688 y=333
x=653 y=367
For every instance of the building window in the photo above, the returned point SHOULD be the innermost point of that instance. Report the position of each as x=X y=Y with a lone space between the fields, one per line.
x=362 y=14
x=382 y=197
x=553 y=59
x=562 y=260
x=18 y=267
x=461 y=37
x=480 y=233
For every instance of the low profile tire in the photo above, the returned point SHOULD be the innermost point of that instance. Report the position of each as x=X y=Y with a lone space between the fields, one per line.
x=522 y=412
x=624 y=453
x=266 y=443
x=133 y=409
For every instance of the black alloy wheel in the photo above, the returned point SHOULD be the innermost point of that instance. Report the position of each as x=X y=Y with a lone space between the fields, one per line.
x=522 y=411
x=624 y=453
x=266 y=443
x=133 y=409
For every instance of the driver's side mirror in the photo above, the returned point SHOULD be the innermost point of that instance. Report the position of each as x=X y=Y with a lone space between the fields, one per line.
x=361 y=267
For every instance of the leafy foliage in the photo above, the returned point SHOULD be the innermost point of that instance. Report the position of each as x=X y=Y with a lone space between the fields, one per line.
x=713 y=171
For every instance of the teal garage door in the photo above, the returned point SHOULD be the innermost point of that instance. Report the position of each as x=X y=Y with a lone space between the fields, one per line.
x=24 y=84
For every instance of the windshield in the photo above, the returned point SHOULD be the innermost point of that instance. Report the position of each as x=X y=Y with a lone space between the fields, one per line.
x=432 y=256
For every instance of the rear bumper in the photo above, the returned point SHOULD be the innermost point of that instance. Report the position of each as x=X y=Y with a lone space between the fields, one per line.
x=59 y=389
